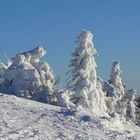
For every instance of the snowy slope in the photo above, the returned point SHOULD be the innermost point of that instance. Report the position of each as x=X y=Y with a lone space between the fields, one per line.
x=22 y=119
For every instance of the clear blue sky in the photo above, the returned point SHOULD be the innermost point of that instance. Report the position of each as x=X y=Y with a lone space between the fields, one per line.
x=56 y=23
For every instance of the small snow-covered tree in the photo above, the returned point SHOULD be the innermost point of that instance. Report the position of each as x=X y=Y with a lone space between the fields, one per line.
x=21 y=78
x=130 y=106
x=115 y=78
x=30 y=77
x=83 y=75
x=115 y=91
x=3 y=68
x=119 y=101
x=47 y=75
x=64 y=99
x=137 y=111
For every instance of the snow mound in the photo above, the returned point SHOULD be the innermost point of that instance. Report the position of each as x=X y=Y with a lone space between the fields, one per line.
x=30 y=120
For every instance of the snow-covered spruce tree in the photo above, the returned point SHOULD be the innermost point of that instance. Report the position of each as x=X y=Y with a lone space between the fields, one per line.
x=115 y=78
x=115 y=91
x=119 y=102
x=126 y=105
x=29 y=77
x=130 y=104
x=83 y=82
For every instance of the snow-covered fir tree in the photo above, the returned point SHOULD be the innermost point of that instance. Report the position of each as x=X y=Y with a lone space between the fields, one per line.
x=87 y=92
x=119 y=101
x=131 y=107
x=115 y=91
x=115 y=78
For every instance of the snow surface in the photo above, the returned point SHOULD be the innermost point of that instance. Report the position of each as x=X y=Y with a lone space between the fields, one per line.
x=23 y=119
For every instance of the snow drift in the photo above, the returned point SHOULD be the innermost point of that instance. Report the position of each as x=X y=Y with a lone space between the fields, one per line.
x=23 y=119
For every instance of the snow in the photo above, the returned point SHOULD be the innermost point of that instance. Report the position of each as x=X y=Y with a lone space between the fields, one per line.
x=30 y=120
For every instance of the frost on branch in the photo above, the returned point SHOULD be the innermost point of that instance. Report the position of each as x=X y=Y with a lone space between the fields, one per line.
x=29 y=77
x=87 y=91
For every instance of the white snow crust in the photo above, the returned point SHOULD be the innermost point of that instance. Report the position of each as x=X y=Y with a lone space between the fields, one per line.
x=23 y=119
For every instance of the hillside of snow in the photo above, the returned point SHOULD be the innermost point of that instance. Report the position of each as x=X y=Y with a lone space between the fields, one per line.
x=23 y=119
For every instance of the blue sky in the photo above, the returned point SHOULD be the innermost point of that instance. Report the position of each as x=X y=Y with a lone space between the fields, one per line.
x=55 y=24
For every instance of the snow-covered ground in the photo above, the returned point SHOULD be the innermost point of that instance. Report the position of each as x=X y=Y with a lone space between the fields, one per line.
x=22 y=119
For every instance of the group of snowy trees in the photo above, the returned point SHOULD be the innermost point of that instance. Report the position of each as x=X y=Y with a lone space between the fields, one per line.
x=26 y=75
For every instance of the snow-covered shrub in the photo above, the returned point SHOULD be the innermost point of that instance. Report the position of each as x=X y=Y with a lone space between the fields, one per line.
x=47 y=75
x=28 y=76
x=21 y=78
x=131 y=107
x=63 y=99
x=137 y=114
x=3 y=68
x=83 y=82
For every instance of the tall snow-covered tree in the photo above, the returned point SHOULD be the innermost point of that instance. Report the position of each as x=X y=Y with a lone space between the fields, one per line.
x=87 y=92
